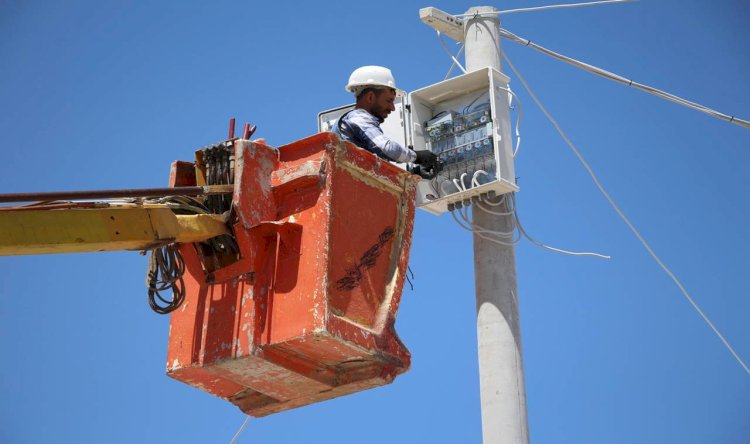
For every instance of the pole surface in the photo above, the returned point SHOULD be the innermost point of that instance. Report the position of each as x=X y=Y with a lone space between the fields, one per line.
x=501 y=379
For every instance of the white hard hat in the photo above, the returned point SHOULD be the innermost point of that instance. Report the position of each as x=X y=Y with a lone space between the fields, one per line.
x=371 y=76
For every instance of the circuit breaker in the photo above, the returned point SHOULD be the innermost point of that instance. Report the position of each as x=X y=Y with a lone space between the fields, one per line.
x=465 y=122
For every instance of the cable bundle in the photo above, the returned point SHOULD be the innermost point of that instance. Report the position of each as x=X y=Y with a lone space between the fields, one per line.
x=166 y=266
x=219 y=161
x=165 y=270
x=484 y=202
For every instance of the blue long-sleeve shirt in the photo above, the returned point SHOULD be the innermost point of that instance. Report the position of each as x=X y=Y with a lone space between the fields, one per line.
x=363 y=129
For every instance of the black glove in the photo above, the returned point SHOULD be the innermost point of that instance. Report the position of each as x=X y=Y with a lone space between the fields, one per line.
x=423 y=172
x=426 y=158
x=427 y=172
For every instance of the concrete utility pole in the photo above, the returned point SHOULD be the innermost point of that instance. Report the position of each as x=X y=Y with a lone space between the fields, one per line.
x=501 y=380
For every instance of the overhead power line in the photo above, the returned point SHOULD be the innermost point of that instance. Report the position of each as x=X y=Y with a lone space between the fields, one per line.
x=624 y=218
x=540 y=8
x=627 y=82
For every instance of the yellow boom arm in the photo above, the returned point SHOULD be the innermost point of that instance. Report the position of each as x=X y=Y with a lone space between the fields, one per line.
x=27 y=230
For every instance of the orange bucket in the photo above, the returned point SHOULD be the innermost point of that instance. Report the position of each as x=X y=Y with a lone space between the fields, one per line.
x=306 y=311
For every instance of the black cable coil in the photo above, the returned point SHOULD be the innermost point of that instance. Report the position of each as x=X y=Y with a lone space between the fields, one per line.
x=165 y=270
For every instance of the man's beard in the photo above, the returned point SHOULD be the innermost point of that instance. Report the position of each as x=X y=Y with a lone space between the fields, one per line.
x=377 y=113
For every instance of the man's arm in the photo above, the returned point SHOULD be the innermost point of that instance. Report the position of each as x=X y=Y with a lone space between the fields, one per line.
x=366 y=129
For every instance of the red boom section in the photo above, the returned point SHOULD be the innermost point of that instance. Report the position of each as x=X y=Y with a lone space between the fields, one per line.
x=307 y=313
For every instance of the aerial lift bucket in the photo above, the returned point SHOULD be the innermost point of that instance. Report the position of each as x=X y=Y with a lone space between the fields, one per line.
x=306 y=311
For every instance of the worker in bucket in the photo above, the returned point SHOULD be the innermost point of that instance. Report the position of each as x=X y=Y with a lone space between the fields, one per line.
x=375 y=90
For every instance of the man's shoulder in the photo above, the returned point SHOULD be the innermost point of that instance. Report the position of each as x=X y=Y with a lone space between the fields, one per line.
x=359 y=115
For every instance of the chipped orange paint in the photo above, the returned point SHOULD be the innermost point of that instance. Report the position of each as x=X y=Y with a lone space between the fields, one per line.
x=307 y=313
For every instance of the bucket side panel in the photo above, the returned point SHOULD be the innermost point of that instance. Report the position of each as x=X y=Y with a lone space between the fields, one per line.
x=363 y=227
x=297 y=306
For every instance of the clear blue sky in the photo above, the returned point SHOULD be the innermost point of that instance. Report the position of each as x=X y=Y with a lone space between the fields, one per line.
x=96 y=95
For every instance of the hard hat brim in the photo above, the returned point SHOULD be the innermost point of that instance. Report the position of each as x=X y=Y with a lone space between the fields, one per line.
x=357 y=88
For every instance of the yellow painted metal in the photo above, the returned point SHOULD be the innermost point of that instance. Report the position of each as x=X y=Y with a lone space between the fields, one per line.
x=48 y=231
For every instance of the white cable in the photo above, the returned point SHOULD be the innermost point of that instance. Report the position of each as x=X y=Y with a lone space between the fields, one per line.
x=242 y=427
x=458 y=54
x=617 y=78
x=518 y=120
x=464 y=213
x=475 y=179
x=495 y=204
x=512 y=212
x=539 y=8
x=497 y=213
x=624 y=218
x=567 y=5
x=460 y=188
x=482 y=201
x=475 y=182
x=471 y=226
x=455 y=183
x=450 y=54
x=511 y=206
x=497 y=241
x=479 y=233
x=547 y=247
x=511 y=235
x=463 y=184
x=460 y=224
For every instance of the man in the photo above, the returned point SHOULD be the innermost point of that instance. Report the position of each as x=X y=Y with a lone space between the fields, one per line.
x=375 y=90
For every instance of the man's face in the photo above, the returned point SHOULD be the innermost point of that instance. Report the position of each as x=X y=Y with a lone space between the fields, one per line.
x=383 y=103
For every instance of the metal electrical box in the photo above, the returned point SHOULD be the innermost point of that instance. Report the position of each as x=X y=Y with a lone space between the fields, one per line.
x=465 y=121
